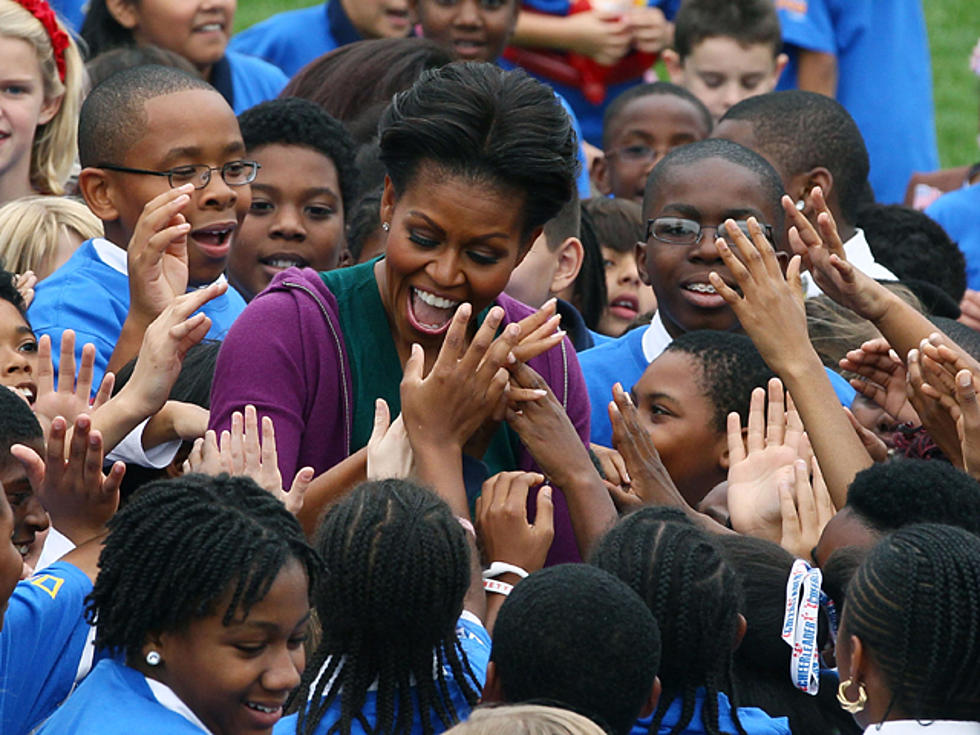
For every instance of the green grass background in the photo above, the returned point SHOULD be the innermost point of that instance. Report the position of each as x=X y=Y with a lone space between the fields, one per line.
x=953 y=29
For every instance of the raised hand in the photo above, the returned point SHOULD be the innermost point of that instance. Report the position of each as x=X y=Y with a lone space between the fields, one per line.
x=25 y=283
x=760 y=462
x=539 y=332
x=389 y=452
x=502 y=522
x=938 y=412
x=805 y=509
x=71 y=397
x=882 y=379
x=968 y=423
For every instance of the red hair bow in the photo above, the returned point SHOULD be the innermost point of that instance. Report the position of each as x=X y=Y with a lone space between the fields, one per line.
x=59 y=39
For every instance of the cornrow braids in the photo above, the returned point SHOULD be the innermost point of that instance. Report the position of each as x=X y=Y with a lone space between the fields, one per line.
x=179 y=546
x=399 y=569
x=913 y=603
x=694 y=595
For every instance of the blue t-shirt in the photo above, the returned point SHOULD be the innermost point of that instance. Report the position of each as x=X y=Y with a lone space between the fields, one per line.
x=245 y=81
x=293 y=38
x=71 y=12
x=884 y=79
x=116 y=700
x=754 y=721
x=590 y=115
x=959 y=214
x=92 y=298
x=475 y=642
x=41 y=644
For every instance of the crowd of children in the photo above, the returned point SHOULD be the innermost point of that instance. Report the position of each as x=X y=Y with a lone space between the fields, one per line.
x=421 y=366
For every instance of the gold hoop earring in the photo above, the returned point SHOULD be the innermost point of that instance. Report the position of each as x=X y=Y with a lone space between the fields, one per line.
x=846 y=704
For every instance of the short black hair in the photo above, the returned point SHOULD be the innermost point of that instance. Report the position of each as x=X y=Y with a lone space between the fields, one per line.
x=913 y=246
x=9 y=292
x=913 y=605
x=894 y=494
x=618 y=222
x=680 y=574
x=730 y=369
x=964 y=336
x=575 y=636
x=295 y=121
x=616 y=107
x=399 y=568
x=800 y=130
x=686 y=155
x=500 y=128
x=364 y=222
x=567 y=223
x=18 y=424
x=749 y=22
x=179 y=546
x=113 y=117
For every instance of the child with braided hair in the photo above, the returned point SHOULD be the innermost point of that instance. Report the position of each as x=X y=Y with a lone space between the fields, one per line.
x=695 y=596
x=201 y=608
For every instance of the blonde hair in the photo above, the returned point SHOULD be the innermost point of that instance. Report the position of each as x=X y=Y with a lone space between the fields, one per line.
x=32 y=226
x=55 y=146
x=525 y=719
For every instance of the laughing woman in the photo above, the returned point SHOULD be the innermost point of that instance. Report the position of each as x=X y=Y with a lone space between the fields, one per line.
x=478 y=159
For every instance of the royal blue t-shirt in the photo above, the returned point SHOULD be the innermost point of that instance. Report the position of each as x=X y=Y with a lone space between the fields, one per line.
x=884 y=79
x=475 y=642
x=41 y=644
x=959 y=213
x=753 y=720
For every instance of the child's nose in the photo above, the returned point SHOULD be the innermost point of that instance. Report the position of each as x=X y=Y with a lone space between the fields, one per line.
x=15 y=361
x=283 y=673
x=35 y=518
x=217 y=194
x=288 y=225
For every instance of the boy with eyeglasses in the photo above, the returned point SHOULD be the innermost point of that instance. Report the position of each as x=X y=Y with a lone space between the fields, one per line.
x=689 y=194
x=162 y=167
x=639 y=128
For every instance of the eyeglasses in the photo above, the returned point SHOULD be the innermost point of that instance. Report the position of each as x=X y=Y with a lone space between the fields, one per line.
x=680 y=231
x=233 y=173
x=635 y=153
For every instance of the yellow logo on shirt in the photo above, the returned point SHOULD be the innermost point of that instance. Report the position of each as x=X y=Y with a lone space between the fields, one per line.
x=49 y=584
x=793 y=6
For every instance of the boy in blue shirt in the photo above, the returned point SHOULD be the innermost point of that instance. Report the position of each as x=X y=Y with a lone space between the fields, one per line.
x=142 y=133
x=293 y=38
x=875 y=56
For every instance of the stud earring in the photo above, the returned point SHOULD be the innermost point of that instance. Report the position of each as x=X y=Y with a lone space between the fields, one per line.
x=846 y=704
x=385 y=226
x=800 y=205
x=153 y=658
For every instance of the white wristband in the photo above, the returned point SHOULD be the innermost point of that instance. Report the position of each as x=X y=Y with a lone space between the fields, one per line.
x=500 y=588
x=502 y=567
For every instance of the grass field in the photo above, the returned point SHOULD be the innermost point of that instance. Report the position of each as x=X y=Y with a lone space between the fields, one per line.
x=953 y=29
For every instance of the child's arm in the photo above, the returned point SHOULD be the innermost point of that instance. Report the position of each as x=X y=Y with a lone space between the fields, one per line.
x=604 y=37
x=553 y=441
x=770 y=309
x=816 y=71
x=156 y=262
x=506 y=535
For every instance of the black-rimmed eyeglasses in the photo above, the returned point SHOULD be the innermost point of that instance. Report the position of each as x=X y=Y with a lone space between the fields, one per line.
x=233 y=173
x=681 y=231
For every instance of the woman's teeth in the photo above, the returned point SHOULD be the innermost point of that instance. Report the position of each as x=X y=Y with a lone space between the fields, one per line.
x=437 y=301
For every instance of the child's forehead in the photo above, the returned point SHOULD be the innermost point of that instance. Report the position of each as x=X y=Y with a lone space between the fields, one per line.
x=673 y=373
x=187 y=120
x=658 y=113
x=710 y=183
x=728 y=54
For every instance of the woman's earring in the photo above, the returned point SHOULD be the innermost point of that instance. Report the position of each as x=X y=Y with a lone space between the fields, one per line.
x=846 y=704
x=800 y=205
x=385 y=226
x=153 y=658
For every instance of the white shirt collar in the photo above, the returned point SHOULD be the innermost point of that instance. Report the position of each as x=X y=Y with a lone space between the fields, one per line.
x=655 y=339
x=935 y=727
x=115 y=257
x=169 y=699
x=859 y=254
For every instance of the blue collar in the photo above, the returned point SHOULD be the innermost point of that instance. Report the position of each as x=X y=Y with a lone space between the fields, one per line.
x=221 y=79
x=342 y=30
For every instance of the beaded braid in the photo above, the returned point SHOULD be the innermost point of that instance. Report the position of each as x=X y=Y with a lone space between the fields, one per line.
x=695 y=597
x=179 y=546
x=913 y=603
x=399 y=569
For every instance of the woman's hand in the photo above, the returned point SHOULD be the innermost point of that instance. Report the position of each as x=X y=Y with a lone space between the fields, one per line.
x=761 y=462
x=389 y=452
x=882 y=379
x=539 y=332
x=71 y=398
x=502 y=522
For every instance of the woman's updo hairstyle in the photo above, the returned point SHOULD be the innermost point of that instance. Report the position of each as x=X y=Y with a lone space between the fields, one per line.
x=913 y=604
x=501 y=129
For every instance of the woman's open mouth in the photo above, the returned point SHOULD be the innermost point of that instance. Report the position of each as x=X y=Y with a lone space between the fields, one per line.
x=430 y=313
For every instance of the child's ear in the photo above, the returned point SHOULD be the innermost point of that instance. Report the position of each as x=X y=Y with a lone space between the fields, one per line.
x=49 y=109
x=600 y=175
x=721 y=451
x=781 y=61
x=802 y=185
x=97 y=190
x=570 y=255
x=640 y=253
x=674 y=65
x=492 y=691
x=650 y=706
x=124 y=12
x=740 y=629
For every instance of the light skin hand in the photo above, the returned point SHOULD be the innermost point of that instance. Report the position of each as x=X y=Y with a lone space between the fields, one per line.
x=882 y=379
x=77 y=496
x=71 y=397
x=25 y=284
x=604 y=37
x=651 y=31
x=805 y=509
x=761 y=462
x=389 y=452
